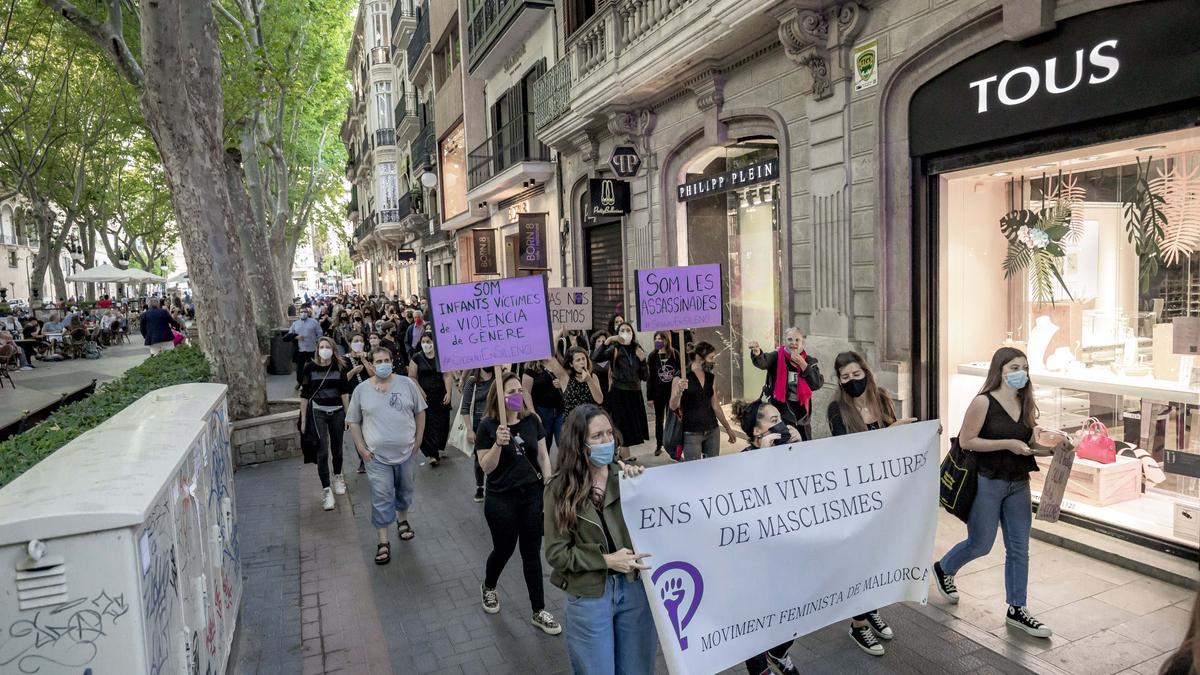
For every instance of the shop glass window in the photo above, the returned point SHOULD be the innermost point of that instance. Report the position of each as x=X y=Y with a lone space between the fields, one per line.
x=1109 y=332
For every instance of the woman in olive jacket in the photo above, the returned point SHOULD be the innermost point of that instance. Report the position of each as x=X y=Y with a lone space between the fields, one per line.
x=609 y=627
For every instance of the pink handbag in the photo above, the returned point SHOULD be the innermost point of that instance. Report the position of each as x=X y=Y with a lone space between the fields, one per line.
x=1096 y=444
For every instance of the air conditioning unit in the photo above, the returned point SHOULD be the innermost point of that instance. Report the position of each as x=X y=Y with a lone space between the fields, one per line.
x=119 y=552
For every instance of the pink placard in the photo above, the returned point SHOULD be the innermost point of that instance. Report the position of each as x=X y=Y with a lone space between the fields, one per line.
x=675 y=298
x=491 y=323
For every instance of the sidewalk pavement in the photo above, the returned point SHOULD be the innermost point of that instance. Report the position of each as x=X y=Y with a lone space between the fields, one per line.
x=48 y=381
x=421 y=614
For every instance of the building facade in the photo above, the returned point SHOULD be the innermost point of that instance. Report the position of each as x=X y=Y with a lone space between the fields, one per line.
x=863 y=170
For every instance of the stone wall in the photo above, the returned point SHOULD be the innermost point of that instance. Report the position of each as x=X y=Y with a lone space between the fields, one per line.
x=268 y=438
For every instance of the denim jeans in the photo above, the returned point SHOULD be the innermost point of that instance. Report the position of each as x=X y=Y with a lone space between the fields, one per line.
x=1006 y=504
x=391 y=489
x=551 y=422
x=697 y=444
x=613 y=633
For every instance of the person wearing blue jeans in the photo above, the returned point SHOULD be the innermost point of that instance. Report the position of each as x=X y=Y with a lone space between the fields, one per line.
x=998 y=429
x=387 y=421
x=596 y=626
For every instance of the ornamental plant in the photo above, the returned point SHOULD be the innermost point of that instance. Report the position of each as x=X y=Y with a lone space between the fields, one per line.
x=1035 y=243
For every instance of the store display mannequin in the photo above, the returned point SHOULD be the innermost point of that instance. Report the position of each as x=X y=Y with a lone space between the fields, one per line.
x=1039 y=340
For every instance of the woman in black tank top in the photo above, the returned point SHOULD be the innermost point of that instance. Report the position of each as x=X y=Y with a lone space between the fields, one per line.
x=998 y=428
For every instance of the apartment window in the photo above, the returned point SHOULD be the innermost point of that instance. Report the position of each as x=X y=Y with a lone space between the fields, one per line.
x=380 y=28
x=388 y=191
x=452 y=163
x=577 y=13
x=12 y=258
x=383 y=104
x=6 y=223
x=453 y=52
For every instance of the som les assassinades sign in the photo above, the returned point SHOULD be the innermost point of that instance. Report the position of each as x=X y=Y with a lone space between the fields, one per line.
x=675 y=298
x=491 y=323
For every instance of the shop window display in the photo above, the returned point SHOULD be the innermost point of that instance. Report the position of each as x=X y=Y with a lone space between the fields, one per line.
x=1089 y=261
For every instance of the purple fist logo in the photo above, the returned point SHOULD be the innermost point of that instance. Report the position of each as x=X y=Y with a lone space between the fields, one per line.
x=681 y=588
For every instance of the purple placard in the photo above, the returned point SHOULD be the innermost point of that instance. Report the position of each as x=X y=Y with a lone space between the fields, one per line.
x=491 y=323
x=675 y=298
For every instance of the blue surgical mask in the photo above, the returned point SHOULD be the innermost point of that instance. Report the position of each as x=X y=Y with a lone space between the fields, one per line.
x=383 y=370
x=602 y=455
x=1017 y=379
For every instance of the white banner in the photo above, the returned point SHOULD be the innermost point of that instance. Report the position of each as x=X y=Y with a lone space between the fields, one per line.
x=748 y=551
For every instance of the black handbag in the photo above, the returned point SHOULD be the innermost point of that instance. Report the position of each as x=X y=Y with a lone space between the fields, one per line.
x=673 y=433
x=959 y=481
x=310 y=439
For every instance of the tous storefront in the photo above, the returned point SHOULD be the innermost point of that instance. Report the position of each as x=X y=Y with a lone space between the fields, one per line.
x=1060 y=192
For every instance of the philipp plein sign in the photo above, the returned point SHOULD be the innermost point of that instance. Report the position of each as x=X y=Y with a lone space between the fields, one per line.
x=758 y=172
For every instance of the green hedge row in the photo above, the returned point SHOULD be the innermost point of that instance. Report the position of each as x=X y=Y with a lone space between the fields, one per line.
x=179 y=366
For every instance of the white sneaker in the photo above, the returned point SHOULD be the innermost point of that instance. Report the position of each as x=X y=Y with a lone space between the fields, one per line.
x=339 y=484
x=327 y=503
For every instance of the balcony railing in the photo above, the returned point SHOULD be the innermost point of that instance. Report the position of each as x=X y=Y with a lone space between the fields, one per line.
x=403 y=9
x=511 y=144
x=424 y=147
x=365 y=228
x=406 y=106
x=419 y=41
x=402 y=210
x=380 y=55
x=385 y=137
x=490 y=20
x=552 y=94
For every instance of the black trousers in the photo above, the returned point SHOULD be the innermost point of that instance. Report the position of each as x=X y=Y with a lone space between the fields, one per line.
x=331 y=429
x=301 y=359
x=478 y=470
x=437 y=428
x=757 y=665
x=660 y=409
x=515 y=519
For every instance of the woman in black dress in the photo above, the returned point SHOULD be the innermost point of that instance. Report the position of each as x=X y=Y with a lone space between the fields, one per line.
x=436 y=385
x=624 y=401
x=662 y=367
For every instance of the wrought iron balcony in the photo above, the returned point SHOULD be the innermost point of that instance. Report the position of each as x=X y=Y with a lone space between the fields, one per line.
x=511 y=144
x=385 y=137
x=365 y=229
x=402 y=210
x=490 y=21
x=552 y=94
x=419 y=42
x=403 y=9
x=424 y=147
x=407 y=121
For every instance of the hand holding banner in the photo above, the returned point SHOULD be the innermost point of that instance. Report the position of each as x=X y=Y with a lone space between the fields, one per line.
x=491 y=323
x=752 y=550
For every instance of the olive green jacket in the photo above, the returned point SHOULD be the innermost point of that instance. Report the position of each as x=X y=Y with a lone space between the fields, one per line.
x=577 y=558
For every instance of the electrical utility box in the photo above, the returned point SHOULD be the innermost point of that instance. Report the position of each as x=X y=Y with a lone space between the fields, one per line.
x=119 y=552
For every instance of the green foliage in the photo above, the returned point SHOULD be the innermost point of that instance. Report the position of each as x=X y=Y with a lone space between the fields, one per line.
x=1035 y=243
x=338 y=262
x=178 y=366
x=1145 y=223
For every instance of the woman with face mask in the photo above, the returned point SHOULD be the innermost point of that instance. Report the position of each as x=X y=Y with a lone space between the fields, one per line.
x=609 y=625
x=473 y=406
x=624 y=401
x=765 y=427
x=436 y=385
x=599 y=357
x=696 y=397
x=860 y=406
x=662 y=369
x=324 y=397
x=578 y=383
x=999 y=428
x=513 y=454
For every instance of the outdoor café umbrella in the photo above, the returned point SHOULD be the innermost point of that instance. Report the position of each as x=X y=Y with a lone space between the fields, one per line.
x=103 y=274
x=143 y=277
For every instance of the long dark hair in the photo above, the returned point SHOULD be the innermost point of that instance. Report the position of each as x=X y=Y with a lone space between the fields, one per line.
x=567 y=365
x=995 y=378
x=699 y=350
x=496 y=392
x=668 y=348
x=573 y=485
x=874 y=396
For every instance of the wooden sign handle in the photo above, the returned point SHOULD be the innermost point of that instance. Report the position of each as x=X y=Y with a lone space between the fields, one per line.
x=498 y=379
x=682 y=355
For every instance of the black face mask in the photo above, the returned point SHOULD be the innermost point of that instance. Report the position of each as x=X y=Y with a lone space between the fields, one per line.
x=709 y=367
x=785 y=436
x=855 y=388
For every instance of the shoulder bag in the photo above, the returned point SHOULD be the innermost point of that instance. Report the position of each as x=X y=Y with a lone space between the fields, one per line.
x=458 y=435
x=959 y=481
x=1096 y=444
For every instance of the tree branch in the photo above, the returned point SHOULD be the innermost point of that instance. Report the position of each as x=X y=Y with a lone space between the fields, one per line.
x=109 y=35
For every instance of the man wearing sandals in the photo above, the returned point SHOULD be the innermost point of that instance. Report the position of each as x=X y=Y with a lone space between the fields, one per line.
x=387 y=420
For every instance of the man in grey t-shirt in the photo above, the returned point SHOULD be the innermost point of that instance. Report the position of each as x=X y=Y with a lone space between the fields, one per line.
x=387 y=420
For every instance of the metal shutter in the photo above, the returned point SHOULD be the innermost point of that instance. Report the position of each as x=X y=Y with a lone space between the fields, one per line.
x=603 y=271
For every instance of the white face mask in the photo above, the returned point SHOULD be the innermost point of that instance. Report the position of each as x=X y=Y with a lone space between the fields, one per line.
x=356 y=346
x=427 y=347
x=326 y=353
x=626 y=337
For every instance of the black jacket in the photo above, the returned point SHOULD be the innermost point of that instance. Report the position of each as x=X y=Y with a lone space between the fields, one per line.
x=626 y=370
x=156 y=324
x=812 y=375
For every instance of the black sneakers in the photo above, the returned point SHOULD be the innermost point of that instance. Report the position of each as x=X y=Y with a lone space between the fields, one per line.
x=782 y=666
x=945 y=583
x=478 y=495
x=864 y=637
x=1019 y=617
x=880 y=626
x=491 y=599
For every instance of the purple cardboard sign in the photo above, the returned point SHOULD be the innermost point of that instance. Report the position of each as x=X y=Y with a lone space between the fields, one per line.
x=491 y=323
x=675 y=298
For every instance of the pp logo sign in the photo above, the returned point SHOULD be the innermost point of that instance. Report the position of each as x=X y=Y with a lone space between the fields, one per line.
x=680 y=588
x=625 y=161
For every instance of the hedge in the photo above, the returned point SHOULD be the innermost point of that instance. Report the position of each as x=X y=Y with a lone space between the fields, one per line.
x=182 y=365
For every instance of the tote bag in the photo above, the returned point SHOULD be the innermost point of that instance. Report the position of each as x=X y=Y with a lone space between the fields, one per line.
x=458 y=435
x=673 y=433
x=959 y=481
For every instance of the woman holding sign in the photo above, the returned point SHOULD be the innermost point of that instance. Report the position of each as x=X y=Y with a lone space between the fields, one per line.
x=609 y=625
x=514 y=457
x=436 y=386
x=626 y=374
x=999 y=427
x=861 y=405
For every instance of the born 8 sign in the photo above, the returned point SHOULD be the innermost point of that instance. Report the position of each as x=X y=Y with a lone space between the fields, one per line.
x=491 y=323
